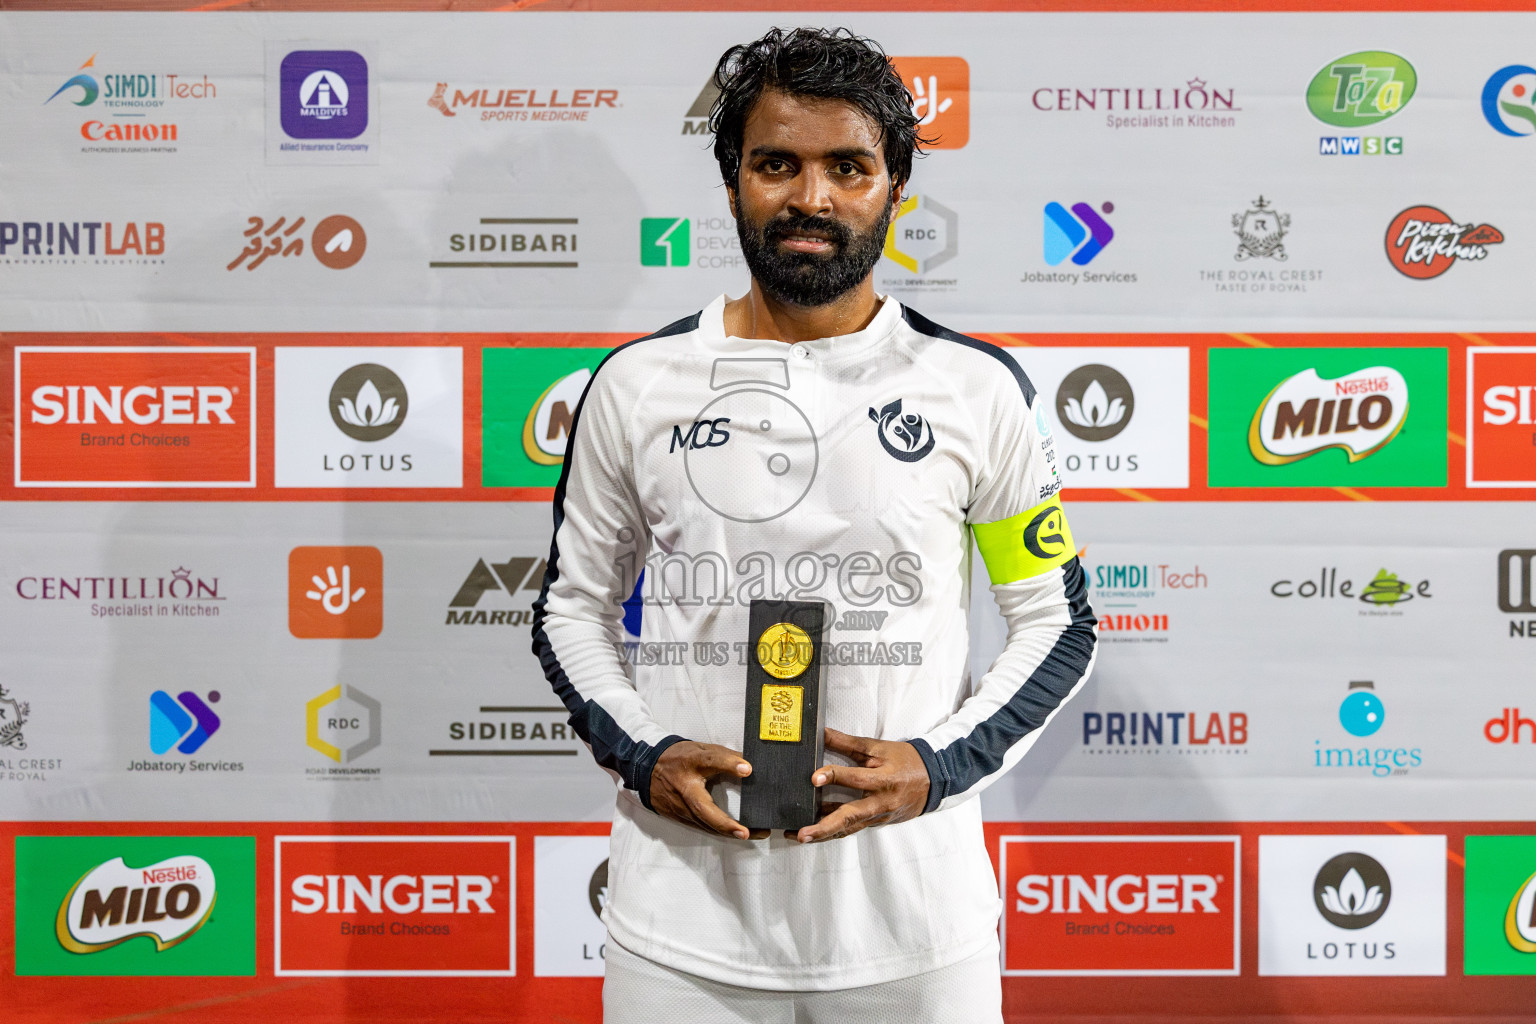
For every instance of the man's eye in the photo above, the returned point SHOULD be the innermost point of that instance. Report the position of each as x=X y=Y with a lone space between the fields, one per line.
x=774 y=166
x=847 y=168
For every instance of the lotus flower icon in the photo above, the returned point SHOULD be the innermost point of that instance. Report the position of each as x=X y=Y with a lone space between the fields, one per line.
x=1095 y=408
x=369 y=408
x=368 y=402
x=1352 y=898
x=1095 y=402
x=1352 y=890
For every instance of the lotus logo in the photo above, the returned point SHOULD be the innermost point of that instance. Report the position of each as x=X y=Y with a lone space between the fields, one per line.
x=1095 y=402
x=1352 y=891
x=907 y=436
x=112 y=903
x=597 y=888
x=368 y=402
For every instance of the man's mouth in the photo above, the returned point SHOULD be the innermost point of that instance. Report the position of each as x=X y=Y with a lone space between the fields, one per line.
x=808 y=242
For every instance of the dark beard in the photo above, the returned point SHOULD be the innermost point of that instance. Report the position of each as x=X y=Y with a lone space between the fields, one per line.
x=805 y=279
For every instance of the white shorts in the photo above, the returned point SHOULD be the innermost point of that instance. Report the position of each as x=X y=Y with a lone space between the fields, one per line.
x=641 y=991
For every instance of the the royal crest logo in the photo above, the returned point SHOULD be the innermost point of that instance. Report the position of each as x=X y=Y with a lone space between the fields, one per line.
x=1260 y=232
x=906 y=436
x=1358 y=413
x=167 y=901
x=1423 y=241
x=13 y=715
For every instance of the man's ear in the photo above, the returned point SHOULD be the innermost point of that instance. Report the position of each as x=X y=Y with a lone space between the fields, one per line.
x=730 y=195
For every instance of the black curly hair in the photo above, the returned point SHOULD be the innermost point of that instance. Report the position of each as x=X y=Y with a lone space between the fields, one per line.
x=827 y=62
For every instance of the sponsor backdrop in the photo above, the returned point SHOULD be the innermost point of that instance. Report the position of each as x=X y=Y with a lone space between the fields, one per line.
x=296 y=311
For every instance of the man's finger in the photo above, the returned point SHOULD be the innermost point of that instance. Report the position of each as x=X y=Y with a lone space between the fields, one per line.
x=713 y=760
x=710 y=815
x=854 y=746
x=845 y=821
x=867 y=779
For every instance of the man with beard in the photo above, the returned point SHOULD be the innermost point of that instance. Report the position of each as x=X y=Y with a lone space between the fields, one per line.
x=810 y=440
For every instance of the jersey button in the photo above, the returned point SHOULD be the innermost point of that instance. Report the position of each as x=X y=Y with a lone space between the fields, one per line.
x=802 y=352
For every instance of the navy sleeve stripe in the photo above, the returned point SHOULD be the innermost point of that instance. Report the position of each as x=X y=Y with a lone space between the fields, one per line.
x=972 y=758
x=922 y=325
x=613 y=748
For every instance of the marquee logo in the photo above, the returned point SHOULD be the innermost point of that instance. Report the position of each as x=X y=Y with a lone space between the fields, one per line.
x=394 y=906
x=1509 y=100
x=1361 y=89
x=1501 y=417
x=1124 y=905
x=941 y=98
x=166 y=902
x=335 y=592
x=516 y=576
x=1358 y=414
x=1423 y=241
x=1066 y=233
x=135 y=417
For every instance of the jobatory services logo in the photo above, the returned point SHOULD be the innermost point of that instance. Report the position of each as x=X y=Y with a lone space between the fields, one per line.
x=515 y=581
x=1424 y=241
x=1517 y=590
x=1081 y=234
x=1501 y=417
x=1159 y=733
x=922 y=236
x=91 y=243
x=343 y=724
x=1328 y=417
x=1120 y=905
x=183 y=723
x=394 y=906
x=1261 y=232
x=335 y=592
x=528 y=404
x=1361 y=715
x=337 y=241
x=368 y=417
x=135 y=111
x=135 y=417
x=1352 y=905
x=510 y=243
x=1509 y=100
x=1499 y=908
x=538 y=104
x=941 y=98
x=136 y=906
x=1195 y=104
x=1361 y=90
x=570 y=887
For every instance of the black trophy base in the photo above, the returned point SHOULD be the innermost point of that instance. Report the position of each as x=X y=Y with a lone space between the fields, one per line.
x=784 y=717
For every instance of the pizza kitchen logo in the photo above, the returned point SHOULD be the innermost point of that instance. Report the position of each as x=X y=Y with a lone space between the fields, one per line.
x=1424 y=241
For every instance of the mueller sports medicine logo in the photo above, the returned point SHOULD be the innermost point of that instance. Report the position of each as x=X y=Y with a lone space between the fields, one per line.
x=136 y=106
x=92 y=242
x=1126 y=905
x=1305 y=414
x=135 y=417
x=167 y=902
x=381 y=906
x=1509 y=100
x=1501 y=417
x=541 y=104
x=337 y=241
x=1178 y=733
x=1195 y=104
x=1423 y=241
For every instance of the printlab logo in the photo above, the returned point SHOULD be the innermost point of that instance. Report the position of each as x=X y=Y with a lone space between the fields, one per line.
x=324 y=94
x=1501 y=417
x=1095 y=402
x=1352 y=891
x=184 y=722
x=1066 y=233
x=13 y=716
x=1176 y=732
x=924 y=235
x=132 y=243
x=337 y=242
x=1423 y=241
x=906 y=437
x=1509 y=100
x=343 y=723
x=941 y=98
x=368 y=402
x=335 y=592
x=664 y=241
x=1260 y=232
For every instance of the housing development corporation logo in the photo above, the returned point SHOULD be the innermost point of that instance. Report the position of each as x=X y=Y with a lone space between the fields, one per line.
x=1509 y=100
x=134 y=111
x=1423 y=241
x=337 y=241
x=335 y=592
x=394 y=906
x=1501 y=417
x=664 y=241
x=1500 y=905
x=1361 y=90
x=528 y=404
x=135 y=905
x=941 y=98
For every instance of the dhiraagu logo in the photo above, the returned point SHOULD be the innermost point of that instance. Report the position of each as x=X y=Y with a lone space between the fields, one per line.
x=136 y=906
x=529 y=400
x=1319 y=417
x=1500 y=907
x=1361 y=89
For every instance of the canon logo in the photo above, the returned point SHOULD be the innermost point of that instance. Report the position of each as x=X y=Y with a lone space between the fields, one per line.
x=76 y=403
x=1125 y=894
x=400 y=894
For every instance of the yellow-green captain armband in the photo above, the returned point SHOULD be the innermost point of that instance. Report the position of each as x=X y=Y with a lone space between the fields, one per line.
x=1026 y=545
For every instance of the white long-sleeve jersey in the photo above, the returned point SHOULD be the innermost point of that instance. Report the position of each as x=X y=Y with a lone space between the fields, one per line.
x=853 y=470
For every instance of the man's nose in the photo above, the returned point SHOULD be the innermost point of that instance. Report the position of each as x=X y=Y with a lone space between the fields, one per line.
x=812 y=194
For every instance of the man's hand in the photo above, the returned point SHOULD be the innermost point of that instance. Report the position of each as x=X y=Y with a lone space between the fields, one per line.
x=893 y=774
x=678 y=786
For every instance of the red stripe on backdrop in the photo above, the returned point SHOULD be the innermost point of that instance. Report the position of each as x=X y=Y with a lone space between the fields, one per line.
x=853 y=6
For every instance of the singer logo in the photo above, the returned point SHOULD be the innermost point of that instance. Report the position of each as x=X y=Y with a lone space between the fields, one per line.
x=380 y=906
x=335 y=592
x=1120 y=905
x=135 y=417
x=941 y=97
x=1501 y=417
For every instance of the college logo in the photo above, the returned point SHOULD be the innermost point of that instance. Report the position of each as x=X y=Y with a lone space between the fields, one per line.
x=1066 y=233
x=135 y=906
x=337 y=242
x=1382 y=591
x=1095 y=402
x=1361 y=89
x=1328 y=417
x=1126 y=905
x=323 y=94
x=503 y=105
x=1423 y=241
x=1501 y=417
x=941 y=98
x=13 y=715
x=664 y=241
x=570 y=887
x=1500 y=905
x=184 y=722
x=1352 y=905
x=923 y=235
x=906 y=437
x=1509 y=100
x=1260 y=232
x=528 y=401
x=135 y=417
x=335 y=592
x=343 y=723
x=394 y=906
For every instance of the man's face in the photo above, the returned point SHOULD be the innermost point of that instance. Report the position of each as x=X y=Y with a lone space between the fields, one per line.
x=814 y=197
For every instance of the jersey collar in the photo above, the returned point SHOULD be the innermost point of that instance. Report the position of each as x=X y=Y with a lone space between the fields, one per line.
x=837 y=349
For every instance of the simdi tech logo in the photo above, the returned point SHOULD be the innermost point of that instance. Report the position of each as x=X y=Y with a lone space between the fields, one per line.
x=335 y=592
x=135 y=417
x=1424 y=241
x=394 y=906
x=941 y=98
x=1501 y=417
x=1120 y=905
x=1499 y=909
x=1361 y=90
x=529 y=403
x=136 y=906
x=126 y=111
x=1302 y=417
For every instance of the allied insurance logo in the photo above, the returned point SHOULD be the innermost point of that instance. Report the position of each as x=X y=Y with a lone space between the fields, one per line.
x=1328 y=417
x=135 y=417
x=1120 y=905
x=1424 y=241
x=1509 y=101
x=394 y=906
x=941 y=98
x=1501 y=417
x=323 y=94
x=529 y=404
x=135 y=905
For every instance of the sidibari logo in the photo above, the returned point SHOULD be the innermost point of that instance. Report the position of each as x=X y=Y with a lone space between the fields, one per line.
x=368 y=402
x=1095 y=402
x=1361 y=89
x=1352 y=891
x=112 y=903
x=1066 y=233
x=1423 y=241
x=1509 y=100
x=905 y=436
x=1359 y=414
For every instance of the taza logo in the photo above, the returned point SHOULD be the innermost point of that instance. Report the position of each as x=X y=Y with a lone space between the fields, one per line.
x=1352 y=891
x=1260 y=232
x=1361 y=89
x=1509 y=100
x=1359 y=414
x=1423 y=241
x=368 y=402
x=905 y=436
x=1095 y=402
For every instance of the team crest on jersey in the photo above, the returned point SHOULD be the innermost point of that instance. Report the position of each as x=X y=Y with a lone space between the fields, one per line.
x=907 y=436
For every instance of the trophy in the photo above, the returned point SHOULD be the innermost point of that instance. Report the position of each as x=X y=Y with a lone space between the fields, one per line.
x=785 y=712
